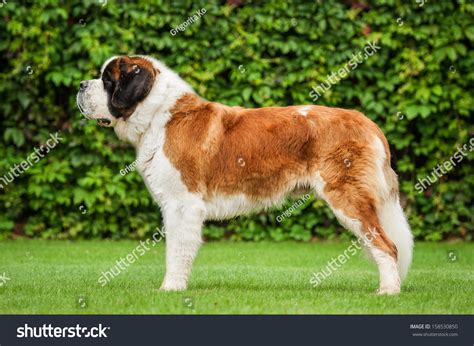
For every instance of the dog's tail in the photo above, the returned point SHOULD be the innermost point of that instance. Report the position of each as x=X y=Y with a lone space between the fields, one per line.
x=395 y=224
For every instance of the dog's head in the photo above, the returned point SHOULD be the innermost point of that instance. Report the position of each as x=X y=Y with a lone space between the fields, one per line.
x=124 y=84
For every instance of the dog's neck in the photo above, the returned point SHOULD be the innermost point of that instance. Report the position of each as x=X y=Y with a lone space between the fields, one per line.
x=153 y=114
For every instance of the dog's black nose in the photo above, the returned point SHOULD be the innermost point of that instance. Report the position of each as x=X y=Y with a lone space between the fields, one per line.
x=83 y=85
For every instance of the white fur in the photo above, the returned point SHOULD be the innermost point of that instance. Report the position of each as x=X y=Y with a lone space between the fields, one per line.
x=221 y=207
x=224 y=207
x=93 y=101
x=395 y=224
x=304 y=110
x=389 y=277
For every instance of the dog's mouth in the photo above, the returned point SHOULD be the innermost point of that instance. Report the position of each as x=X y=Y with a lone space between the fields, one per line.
x=104 y=122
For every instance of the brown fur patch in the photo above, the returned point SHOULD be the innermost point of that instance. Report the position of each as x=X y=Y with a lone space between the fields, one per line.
x=131 y=63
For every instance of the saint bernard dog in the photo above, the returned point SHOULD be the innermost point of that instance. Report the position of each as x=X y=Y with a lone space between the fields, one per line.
x=203 y=160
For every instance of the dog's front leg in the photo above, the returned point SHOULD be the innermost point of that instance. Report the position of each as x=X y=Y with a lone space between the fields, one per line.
x=183 y=223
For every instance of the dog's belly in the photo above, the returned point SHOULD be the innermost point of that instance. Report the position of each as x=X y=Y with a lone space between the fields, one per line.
x=221 y=206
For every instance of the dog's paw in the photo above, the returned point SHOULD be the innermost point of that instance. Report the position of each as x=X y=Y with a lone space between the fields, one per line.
x=390 y=290
x=173 y=285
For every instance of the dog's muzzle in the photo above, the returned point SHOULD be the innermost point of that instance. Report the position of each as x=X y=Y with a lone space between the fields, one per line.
x=89 y=107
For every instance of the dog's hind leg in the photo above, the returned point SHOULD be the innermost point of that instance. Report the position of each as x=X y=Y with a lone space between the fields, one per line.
x=183 y=222
x=357 y=212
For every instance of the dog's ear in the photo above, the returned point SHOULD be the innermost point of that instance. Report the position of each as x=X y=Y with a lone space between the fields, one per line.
x=134 y=84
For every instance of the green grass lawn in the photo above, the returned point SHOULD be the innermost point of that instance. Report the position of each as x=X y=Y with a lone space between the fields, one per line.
x=46 y=277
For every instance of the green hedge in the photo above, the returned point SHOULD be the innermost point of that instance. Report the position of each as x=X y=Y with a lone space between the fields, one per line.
x=416 y=87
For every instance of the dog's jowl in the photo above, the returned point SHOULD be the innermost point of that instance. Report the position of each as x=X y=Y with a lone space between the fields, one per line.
x=203 y=160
